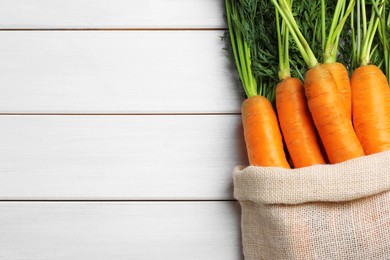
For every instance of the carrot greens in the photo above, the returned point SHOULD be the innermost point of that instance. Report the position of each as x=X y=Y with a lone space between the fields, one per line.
x=240 y=48
x=252 y=42
x=364 y=31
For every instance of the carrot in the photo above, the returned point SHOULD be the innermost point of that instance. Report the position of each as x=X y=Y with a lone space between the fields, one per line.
x=261 y=130
x=370 y=90
x=294 y=117
x=324 y=100
x=262 y=134
x=328 y=112
x=296 y=123
x=371 y=108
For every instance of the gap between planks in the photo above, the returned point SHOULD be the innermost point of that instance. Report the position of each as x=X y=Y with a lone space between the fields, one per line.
x=121 y=114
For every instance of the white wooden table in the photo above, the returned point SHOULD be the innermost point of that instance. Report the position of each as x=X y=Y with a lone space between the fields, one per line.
x=119 y=130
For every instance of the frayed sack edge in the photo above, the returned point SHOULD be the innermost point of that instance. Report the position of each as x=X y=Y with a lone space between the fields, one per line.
x=353 y=179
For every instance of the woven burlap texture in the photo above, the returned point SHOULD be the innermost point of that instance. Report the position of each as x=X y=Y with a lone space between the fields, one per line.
x=339 y=211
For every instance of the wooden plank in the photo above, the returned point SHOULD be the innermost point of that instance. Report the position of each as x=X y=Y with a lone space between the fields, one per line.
x=116 y=72
x=124 y=230
x=44 y=14
x=119 y=157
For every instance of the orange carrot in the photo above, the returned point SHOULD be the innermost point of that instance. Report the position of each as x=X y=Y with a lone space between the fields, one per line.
x=370 y=89
x=295 y=120
x=261 y=130
x=296 y=124
x=327 y=108
x=262 y=133
x=371 y=108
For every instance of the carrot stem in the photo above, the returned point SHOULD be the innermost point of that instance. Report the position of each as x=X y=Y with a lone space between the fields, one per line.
x=369 y=33
x=354 y=43
x=285 y=11
x=338 y=22
x=330 y=42
x=358 y=34
x=323 y=23
x=283 y=44
x=241 y=51
x=384 y=36
x=364 y=16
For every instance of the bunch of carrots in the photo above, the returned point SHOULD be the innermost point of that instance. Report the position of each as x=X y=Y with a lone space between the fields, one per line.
x=298 y=111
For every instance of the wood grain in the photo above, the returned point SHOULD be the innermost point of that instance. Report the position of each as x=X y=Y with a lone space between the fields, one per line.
x=48 y=14
x=119 y=157
x=120 y=230
x=116 y=72
x=111 y=100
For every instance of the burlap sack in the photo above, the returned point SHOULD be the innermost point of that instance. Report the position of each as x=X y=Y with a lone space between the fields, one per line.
x=339 y=211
